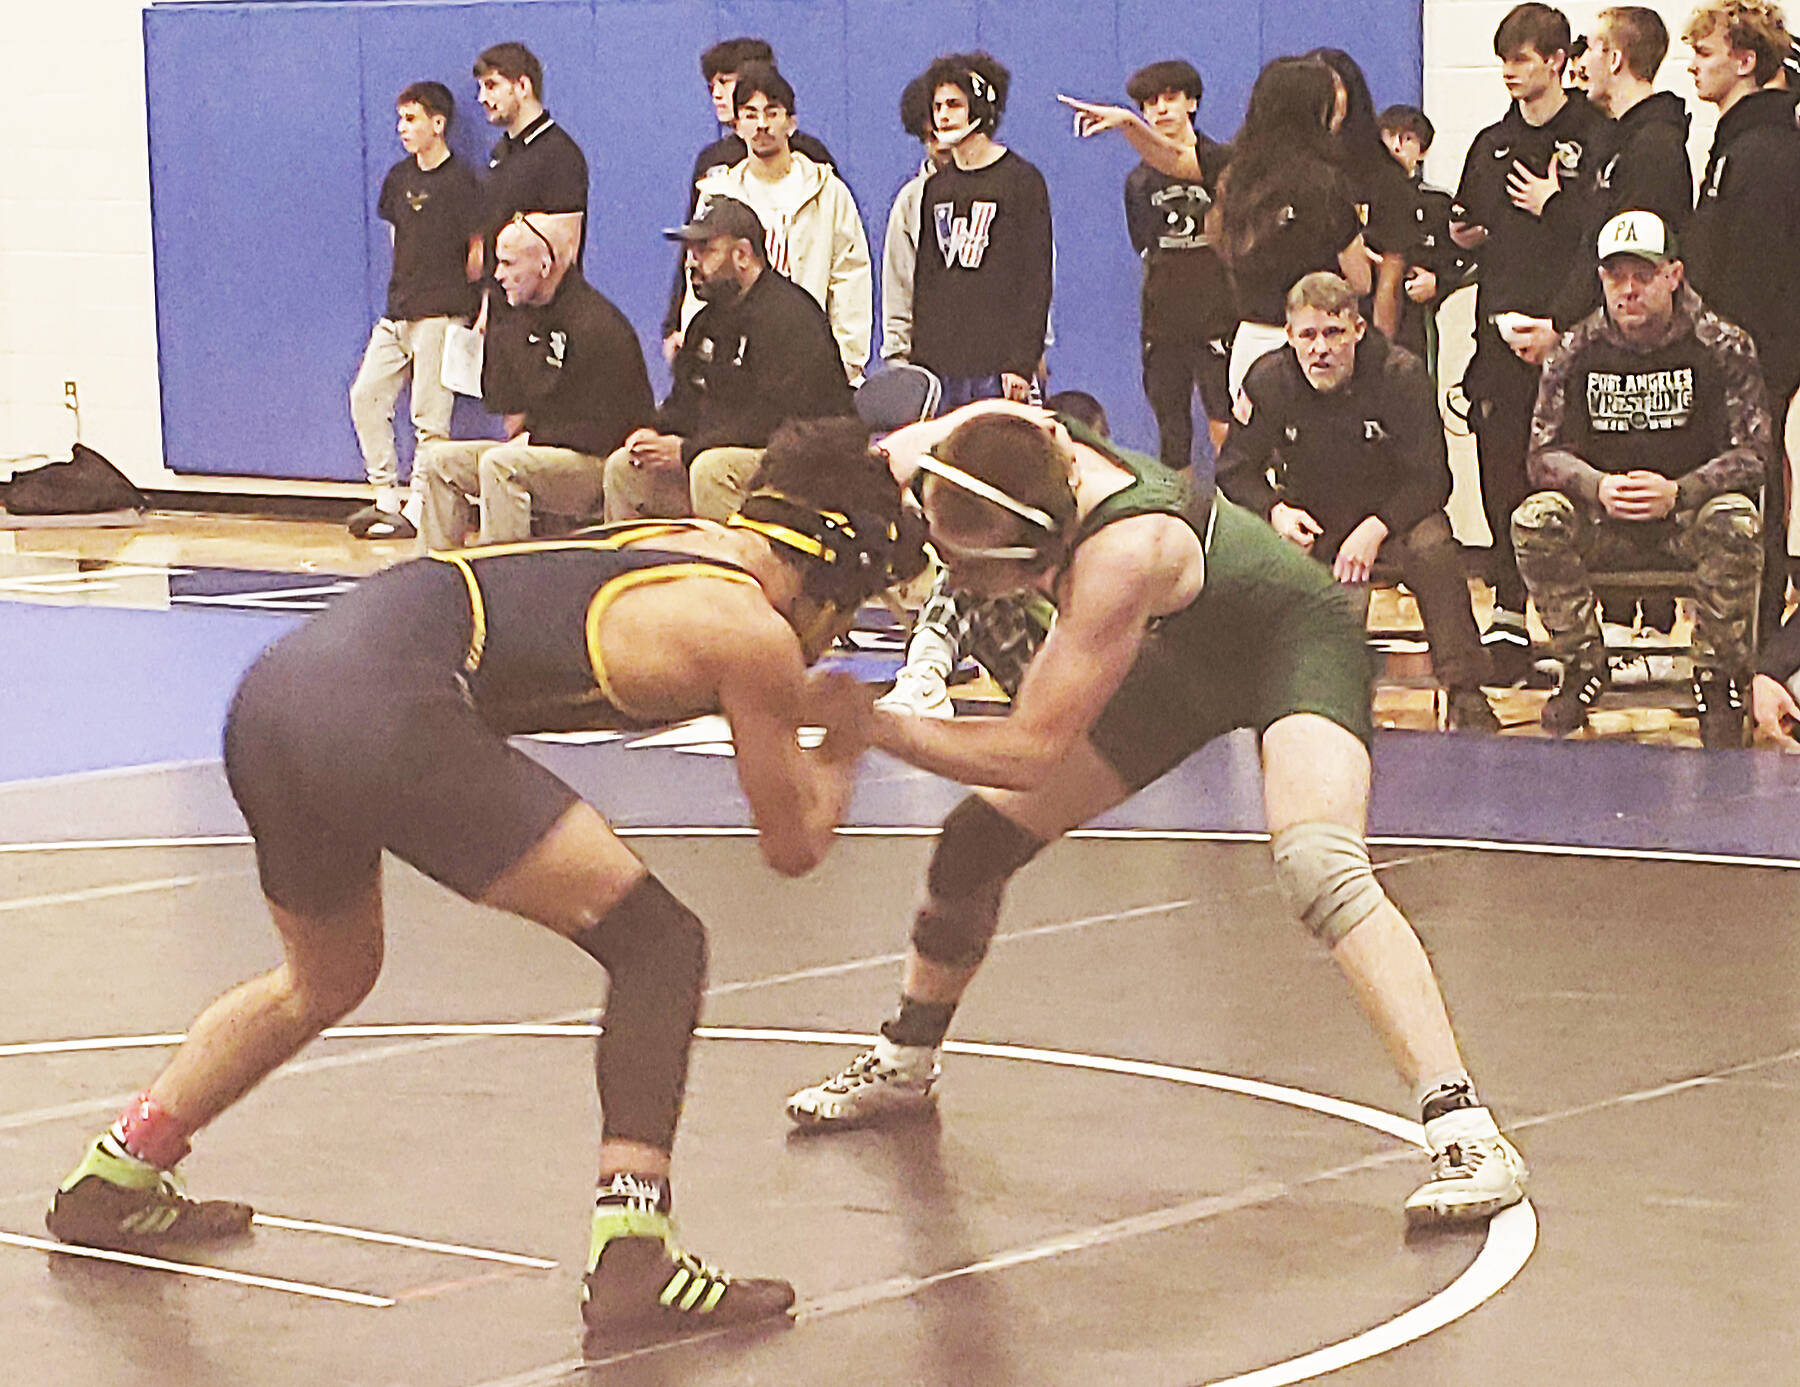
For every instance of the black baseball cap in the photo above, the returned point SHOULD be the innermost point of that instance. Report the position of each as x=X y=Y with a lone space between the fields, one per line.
x=720 y=216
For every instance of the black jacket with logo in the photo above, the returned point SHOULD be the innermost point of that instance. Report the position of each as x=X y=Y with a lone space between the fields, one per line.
x=572 y=367
x=1374 y=446
x=1525 y=260
x=747 y=367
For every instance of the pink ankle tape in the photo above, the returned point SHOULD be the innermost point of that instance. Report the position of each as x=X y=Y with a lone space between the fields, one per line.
x=151 y=1134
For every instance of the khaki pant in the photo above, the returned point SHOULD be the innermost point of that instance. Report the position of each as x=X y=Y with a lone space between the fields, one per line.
x=500 y=485
x=1559 y=543
x=712 y=487
x=396 y=350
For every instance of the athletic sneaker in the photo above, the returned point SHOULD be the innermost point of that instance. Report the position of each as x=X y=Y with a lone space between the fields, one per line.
x=889 y=1080
x=641 y=1287
x=1565 y=711
x=1719 y=704
x=127 y=1205
x=371 y=522
x=920 y=690
x=1472 y=1178
x=1508 y=647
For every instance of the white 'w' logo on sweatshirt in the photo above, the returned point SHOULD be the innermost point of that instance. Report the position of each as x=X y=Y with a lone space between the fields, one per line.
x=963 y=240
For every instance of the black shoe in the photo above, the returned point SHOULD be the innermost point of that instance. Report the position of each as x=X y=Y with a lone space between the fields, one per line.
x=1565 y=711
x=642 y=1288
x=1508 y=647
x=1719 y=702
x=1470 y=711
x=123 y=1205
x=372 y=522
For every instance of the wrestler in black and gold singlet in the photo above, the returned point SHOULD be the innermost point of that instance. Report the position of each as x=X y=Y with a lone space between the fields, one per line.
x=381 y=723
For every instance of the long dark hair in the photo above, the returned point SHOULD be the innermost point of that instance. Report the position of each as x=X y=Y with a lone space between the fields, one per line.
x=1288 y=120
x=1361 y=152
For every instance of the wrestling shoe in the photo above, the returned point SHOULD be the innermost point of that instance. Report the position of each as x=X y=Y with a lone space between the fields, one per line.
x=920 y=690
x=117 y=1202
x=641 y=1288
x=888 y=1080
x=1472 y=1178
x=371 y=522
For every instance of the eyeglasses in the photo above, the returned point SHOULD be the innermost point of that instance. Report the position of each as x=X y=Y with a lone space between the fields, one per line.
x=521 y=219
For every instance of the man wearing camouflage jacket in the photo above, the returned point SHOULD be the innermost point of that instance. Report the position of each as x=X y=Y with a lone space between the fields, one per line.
x=1652 y=438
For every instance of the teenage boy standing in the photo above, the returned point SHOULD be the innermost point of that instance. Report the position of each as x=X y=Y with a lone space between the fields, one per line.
x=1526 y=187
x=1187 y=308
x=432 y=205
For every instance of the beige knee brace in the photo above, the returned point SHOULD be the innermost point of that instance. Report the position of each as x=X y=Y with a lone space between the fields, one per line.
x=1322 y=871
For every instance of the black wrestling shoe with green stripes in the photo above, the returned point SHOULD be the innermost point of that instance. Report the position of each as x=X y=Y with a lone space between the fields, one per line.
x=115 y=1202
x=642 y=1288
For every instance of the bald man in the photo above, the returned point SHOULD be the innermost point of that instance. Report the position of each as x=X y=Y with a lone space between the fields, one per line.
x=564 y=368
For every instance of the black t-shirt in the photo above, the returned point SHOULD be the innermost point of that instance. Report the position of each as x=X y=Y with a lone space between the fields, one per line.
x=981 y=287
x=434 y=213
x=1317 y=218
x=572 y=367
x=1186 y=290
x=541 y=169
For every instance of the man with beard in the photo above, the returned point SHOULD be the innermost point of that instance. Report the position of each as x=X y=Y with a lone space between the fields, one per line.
x=535 y=166
x=758 y=353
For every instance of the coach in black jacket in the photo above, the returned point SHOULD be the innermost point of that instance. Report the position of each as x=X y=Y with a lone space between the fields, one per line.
x=1348 y=426
x=760 y=352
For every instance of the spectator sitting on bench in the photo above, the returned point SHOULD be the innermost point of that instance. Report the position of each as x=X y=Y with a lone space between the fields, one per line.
x=1652 y=438
x=758 y=354
x=564 y=367
x=1348 y=424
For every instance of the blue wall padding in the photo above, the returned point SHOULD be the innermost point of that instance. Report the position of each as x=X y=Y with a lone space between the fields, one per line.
x=271 y=263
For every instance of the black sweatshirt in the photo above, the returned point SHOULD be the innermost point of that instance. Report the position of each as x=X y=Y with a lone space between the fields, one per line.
x=1649 y=172
x=747 y=367
x=572 y=367
x=1691 y=408
x=1743 y=246
x=981 y=287
x=1374 y=446
x=1525 y=260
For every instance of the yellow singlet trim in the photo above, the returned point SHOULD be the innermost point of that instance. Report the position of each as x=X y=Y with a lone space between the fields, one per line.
x=613 y=588
x=477 y=610
x=619 y=535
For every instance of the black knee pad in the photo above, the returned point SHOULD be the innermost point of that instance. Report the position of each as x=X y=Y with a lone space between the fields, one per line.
x=654 y=951
x=977 y=853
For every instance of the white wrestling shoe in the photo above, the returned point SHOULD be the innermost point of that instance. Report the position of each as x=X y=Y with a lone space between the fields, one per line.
x=921 y=691
x=888 y=1080
x=1475 y=1172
